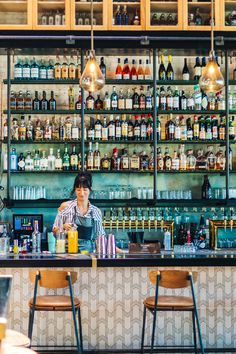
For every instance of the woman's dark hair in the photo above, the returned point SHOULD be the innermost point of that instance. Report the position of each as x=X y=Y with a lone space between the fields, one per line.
x=83 y=179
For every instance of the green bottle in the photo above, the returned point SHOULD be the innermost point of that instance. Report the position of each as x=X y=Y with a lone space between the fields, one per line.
x=66 y=160
x=34 y=70
x=18 y=70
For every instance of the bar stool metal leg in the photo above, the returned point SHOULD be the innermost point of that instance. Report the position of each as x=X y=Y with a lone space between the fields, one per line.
x=143 y=329
x=80 y=331
x=31 y=323
x=153 y=328
x=74 y=315
x=196 y=316
x=194 y=333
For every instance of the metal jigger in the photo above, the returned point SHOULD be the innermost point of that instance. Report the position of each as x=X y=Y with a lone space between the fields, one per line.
x=111 y=246
x=101 y=246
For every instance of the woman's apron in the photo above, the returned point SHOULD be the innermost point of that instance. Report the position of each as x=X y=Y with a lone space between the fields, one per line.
x=86 y=231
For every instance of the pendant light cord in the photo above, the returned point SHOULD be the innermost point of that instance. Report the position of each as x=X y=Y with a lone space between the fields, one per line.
x=92 y=45
x=212 y=27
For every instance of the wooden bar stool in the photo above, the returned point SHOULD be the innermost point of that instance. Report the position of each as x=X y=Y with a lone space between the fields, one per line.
x=55 y=279
x=172 y=279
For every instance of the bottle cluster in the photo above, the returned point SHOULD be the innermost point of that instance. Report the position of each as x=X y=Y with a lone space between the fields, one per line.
x=163 y=19
x=196 y=18
x=42 y=69
x=192 y=160
x=123 y=17
x=52 y=18
x=135 y=72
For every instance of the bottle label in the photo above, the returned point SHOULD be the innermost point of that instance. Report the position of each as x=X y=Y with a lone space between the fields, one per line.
x=204 y=102
x=171 y=129
x=190 y=102
x=105 y=133
x=130 y=132
x=118 y=76
x=231 y=131
x=209 y=134
x=125 y=163
x=184 y=104
x=91 y=134
x=148 y=102
x=183 y=132
x=160 y=164
x=5 y=132
x=175 y=164
x=134 y=77
x=26 y=73
x=98 y=131
x=136 y=132
x=176 y=102
x=90 y=162
x=18 y=73
x=202 y=134
x=21 y=163
x=34 y=73
x=43 y=73
x=197 y=71
x=50 y=74
x=97 y=162
x=107 y=104
x=105 y=164
x=186 y=76
x=168 y=164
x=75 y=133
x=128 y=103
x=177 y=133
x=90 y=104
x=147 y=77
x=121 y=103
x=215 y=132
x=143 y=131
x=124 y=130
x=118 y=132
x=170 y=102
x=190 y=134
x=111 y=131
x=140 y=77
x=114 y=104
x=134 y=163
x=222 y=133
x=57 y=72
x=126 y=76
x=142 y=103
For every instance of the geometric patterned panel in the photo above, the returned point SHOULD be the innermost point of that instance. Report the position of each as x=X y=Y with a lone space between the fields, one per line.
x=112 y=309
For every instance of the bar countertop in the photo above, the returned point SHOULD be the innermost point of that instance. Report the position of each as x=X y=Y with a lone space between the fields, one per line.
x=168 y=259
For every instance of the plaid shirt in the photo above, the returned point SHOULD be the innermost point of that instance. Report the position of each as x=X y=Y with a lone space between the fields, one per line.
x=68 y=216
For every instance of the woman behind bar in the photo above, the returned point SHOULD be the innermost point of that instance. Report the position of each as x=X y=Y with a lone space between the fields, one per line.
x=80 y=211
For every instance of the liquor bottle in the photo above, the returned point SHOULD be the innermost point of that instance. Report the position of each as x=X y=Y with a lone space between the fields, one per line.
x=124 y=128
x=190 y=161
x=204 y=101
x=189 y=129
x=26 y=70
x=75 y=130
x=96 y=158
x=162 y=70
x=158 y=128
x=177 y=135
x=12 y=100
x=36 y=102
x=62 y=129
x=140 y=71
x=211 y=158
x=71 y=97
x=21 y=162
x=18 y=70
x=215 y=130
x=121 y=100
x=114 y=99
x=68 y=129
x=183 y=129
x=190 y=102
x=118 y=16
x=148 y=99
x=149 y=127
x=197 y=69
x=43 y=162
x=201 y=161
x=144 y=161
x=222 y=129
x=28 y=103
x=208 y=127
x=104 y=130
x=65 y=69
x=202 y=128
x=98 y=104
x=78 y=103
x=72 y=69
x=160 y=160
x=38 y=131
x=36 y=161
x=22 y=129
x=126 y=70
x=220 y=161
x=98 y=128
x=44 y=102
x=231 y=128
x=48 y=130
x=136 y=18
x=183 y=101
x=125 y=16
x=163 y=98
x=130 y=129
x=196 y=128
x=118 y=128
x=170 y=129
x=66 y=160
x=137 y=129
x=111 y=129
x=20 y=101
x=103 y=67
x=91 y=130
x=55 y=129
x=105 y=163
x=182 y=159
x=52 y=102
x=118 y=70
x=206 y=188
x=133 y=72
x=167 y=160
x=34 y=70
x=90 y=101
x=185 y=71
x=5 y=130
x=143 y=128
x=36 y=238
x=57 y=69
x=175 y=162
x=147 y=71
x=42 y=70
x=142 y=99
x=15 y=129
x=58 y=161
x=50 y=70
x=151 y=161
x=135 y=99
x=51 y=160
x=29 y=162
x=115 y=160
x=176 y=99
x=198 y=18
x=124 y=160
x=157 y=98
x=107 y=102
x=74 y=159
x=197 y=98
x=134 y=162
x=169 y=70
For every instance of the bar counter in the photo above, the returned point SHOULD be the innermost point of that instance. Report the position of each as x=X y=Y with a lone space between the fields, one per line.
x=112 y=293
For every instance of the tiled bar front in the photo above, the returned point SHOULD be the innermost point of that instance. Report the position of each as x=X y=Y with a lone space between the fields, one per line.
x=112 y=300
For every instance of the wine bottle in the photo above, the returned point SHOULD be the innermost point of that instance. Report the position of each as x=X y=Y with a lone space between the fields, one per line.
x=185 y=71
x=206 y=188
x=162 y=70
x=197 y=69
x=169 y=70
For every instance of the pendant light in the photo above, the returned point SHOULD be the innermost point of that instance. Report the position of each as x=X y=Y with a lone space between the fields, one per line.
x=92 y=78
x=212 y=80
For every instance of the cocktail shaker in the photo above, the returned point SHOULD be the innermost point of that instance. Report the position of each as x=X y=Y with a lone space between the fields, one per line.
x=111 y=246
x=101 y=246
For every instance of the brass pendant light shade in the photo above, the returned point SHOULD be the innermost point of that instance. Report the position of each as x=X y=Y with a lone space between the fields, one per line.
x=212 y=80
x=92 y=78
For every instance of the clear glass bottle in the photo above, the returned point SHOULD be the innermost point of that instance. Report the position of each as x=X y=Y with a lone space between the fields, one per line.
x=36 y=161
x=43 y=162
x=190 y=161
x=134 y=162
x=201 y=160
x=211 y=158
x=182 y=158
x=29 y=162
x=58 y=161
x=51 y=160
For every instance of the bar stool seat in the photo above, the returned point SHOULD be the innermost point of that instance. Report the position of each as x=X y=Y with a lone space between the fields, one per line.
x=170 y=302
x=54 y=303
x=16 y=339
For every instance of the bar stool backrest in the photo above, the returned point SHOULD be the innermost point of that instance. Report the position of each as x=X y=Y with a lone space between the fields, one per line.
x=172 y=279
x=52 y=279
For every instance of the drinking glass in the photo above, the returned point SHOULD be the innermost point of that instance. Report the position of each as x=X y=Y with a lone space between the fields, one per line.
x=4 y=246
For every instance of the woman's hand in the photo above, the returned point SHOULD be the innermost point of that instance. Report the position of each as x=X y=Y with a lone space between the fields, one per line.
x=67 y=227
x=55 y=230
x=63 y=206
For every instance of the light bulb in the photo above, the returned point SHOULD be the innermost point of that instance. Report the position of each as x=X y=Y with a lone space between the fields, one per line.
x=92 y=79
x=212 y=80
